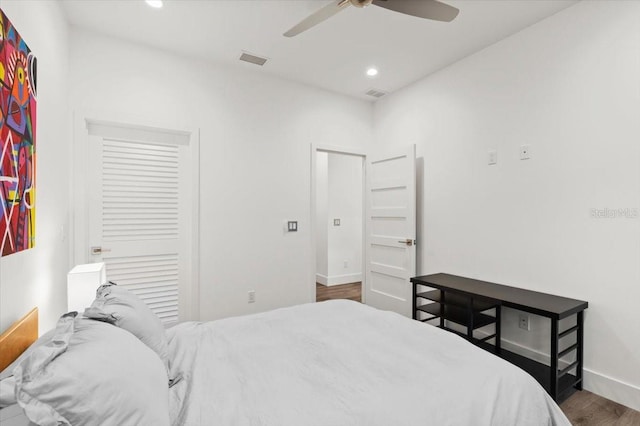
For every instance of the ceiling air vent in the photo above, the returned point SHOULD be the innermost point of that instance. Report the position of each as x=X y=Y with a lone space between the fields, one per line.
x=247 y=57
x=376 y=93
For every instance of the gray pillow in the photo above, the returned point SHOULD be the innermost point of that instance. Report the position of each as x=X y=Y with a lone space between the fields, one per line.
x=7 y=391
x=92 y=373
x=117 y=305
x=7 y=381
x=45 y=338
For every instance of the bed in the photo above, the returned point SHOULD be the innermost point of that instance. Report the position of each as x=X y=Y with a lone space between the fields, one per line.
x=333 y=363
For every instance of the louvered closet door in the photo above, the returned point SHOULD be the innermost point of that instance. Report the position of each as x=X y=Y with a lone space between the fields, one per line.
x=137 y=212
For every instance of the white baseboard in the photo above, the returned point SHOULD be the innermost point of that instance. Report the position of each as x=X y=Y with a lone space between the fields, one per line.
x=613 y=389
x=338 y=279
x=600 y=384
x=533 y=354
x=321 y=279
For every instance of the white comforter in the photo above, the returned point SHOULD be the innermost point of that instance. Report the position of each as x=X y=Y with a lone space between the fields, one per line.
x=340 y=363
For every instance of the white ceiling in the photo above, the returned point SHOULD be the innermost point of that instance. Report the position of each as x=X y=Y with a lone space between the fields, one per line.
x=333 y=55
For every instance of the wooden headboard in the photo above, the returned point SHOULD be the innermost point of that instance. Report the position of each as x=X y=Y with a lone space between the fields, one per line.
x=18 y=338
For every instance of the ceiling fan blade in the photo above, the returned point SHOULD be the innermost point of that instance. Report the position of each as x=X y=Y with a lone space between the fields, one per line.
x=317 y=17
x=428 y=9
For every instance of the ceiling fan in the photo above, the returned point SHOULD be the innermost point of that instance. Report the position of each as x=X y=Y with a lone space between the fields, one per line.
x=428 y=9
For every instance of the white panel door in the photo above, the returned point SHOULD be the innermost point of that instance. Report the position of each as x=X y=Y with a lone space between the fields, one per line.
x=391 y=230
x=138 y=204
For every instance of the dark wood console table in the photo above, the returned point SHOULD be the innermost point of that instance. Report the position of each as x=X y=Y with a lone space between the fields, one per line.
x=464 y=300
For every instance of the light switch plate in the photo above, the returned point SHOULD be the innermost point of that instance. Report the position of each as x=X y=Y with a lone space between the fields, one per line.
x=493 y=157
x=336 y=222
x=292 y=226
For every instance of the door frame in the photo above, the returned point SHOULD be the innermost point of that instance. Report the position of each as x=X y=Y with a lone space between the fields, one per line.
x=79 y=212
x=356 y=152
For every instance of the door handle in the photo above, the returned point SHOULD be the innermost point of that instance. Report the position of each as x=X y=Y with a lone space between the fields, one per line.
x=99 y=250
x=409 y=242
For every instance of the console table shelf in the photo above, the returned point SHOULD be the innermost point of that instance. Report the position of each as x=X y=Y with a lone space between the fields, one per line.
x=456 y=300
x=468 y=311
x=464 y=301
x=457 y=314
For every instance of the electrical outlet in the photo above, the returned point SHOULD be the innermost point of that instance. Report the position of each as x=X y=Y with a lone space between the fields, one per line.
x=252 y=296
x=523 y=322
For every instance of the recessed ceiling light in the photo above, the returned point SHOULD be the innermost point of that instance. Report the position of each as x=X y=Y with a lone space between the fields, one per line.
x=372 y=72
x=154 y=3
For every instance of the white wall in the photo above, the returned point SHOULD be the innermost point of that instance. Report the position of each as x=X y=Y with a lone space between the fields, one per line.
x=255 y=137
x=569 y=86
x=322 y=217
x=344 y=203
x=37 y=277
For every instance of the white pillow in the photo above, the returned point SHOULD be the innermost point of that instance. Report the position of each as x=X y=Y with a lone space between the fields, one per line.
x=117 y=305
x=92 y=373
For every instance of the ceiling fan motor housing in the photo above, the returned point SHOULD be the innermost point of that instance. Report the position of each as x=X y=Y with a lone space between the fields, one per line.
x=361 y=3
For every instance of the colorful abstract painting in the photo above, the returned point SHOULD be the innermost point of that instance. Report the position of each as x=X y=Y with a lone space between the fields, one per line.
x=17 y=141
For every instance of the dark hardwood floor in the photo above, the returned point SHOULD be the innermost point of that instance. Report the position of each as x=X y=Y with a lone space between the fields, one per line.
x=588 y=409
x=345 y=291
x=582 y=408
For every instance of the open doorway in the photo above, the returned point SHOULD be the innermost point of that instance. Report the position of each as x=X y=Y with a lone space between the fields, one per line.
x=339 y=224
